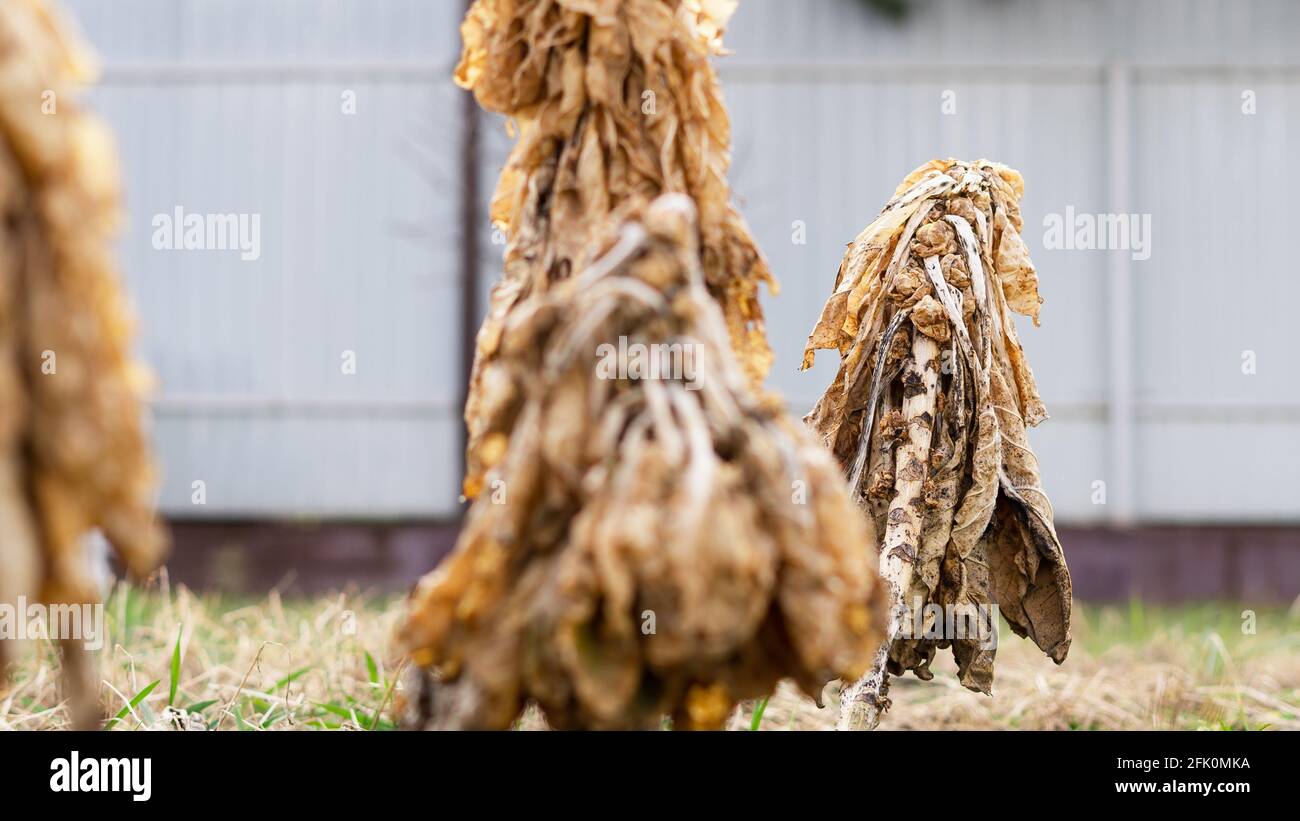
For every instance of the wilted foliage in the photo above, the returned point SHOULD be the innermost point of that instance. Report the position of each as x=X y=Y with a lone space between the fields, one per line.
x=612 y=101
x=928 y=412
x=649 y=546
x=72 y=453
x=644 y=542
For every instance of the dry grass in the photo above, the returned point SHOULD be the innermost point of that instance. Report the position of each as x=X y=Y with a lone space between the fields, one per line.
x=324 y=663
x=1131 y=668
x=274 y=664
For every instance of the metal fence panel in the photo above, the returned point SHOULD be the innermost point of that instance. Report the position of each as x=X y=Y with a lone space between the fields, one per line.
x=238 y=107
x=1104 y=105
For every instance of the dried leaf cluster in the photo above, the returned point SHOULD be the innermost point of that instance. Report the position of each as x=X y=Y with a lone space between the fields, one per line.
x=660 y=546
x=928 y=413
x=72 y=452
x=641 y=544
x=613 y=101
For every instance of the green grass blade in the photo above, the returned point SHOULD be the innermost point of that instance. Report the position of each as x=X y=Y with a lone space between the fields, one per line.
x=292 y=677
x=176 y=667
x=341 y=712
x=133 y=703
x=759 y=709
x=384 y=703
x=273 y=716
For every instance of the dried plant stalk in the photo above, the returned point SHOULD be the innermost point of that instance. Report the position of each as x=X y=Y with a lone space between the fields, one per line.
x=898 y=551
x=72 y=452
x=650 y=546
x=612 y=100
x=939 y=272
x=656 y=543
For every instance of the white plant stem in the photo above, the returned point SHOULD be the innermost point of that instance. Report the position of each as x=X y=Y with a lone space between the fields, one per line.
x=863 y=702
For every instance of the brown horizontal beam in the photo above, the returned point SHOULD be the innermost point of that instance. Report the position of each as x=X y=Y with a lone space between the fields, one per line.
x=1157 y=564
x=254 y=557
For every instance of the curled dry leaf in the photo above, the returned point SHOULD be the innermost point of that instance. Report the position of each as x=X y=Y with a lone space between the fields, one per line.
x=664 y=541
x=950 y=235
x=640 y=545
x=929 y=318
x=73 y=455
x=612 y=101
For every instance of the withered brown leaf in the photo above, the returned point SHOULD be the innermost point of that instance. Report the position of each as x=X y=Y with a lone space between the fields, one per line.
x=660 y=546
x=987 y=536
